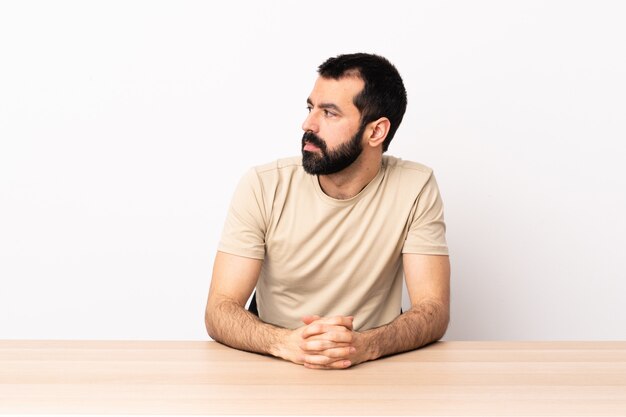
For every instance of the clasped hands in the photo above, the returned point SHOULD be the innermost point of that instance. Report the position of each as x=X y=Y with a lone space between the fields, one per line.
x=326 y=343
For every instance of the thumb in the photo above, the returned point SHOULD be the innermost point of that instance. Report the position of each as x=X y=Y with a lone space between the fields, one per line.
x=310 y=319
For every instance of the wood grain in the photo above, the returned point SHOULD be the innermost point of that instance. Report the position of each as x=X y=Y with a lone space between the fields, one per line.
x=191 y=377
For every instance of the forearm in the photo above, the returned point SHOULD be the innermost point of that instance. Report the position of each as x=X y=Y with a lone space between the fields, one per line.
x=231 y=324
x=424 y=323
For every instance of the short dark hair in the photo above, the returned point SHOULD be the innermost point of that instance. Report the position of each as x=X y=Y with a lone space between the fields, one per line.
x=383 y=95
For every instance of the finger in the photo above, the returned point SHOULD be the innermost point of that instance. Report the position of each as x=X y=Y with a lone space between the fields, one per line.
x=319 y=360
x=338 y=353
x=345 y=321
x=329 y=356
x=317 y=345
x=313 y=329
x=310 y=319
x=328 y=332
x=327 y=340
x=341 y=364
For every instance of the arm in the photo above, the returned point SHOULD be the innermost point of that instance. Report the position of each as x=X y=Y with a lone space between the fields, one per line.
x=227 y=321
x=428 y=285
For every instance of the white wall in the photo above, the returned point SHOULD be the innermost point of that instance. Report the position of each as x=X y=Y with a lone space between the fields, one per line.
x=124 y=127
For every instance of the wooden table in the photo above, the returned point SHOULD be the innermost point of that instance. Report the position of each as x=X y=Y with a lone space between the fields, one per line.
x=447 y=378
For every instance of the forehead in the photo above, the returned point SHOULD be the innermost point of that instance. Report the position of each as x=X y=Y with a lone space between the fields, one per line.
x=340 y=92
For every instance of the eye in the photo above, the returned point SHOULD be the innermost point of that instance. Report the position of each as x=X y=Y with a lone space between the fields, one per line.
x=309 y=108
x=329 y=113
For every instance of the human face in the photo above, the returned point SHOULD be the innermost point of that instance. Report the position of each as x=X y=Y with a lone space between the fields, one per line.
x=333 y=134
x=328 y=162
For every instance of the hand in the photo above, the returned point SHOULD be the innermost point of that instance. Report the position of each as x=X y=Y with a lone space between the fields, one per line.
x=328 y=343
x=324 y=343
x=321 y=342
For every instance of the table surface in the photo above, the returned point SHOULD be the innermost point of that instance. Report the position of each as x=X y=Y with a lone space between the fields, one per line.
x=194 y=377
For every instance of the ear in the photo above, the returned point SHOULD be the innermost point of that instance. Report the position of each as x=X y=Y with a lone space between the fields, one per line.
x=377 y=131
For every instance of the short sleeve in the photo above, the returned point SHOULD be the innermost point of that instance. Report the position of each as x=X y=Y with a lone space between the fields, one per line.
x=427 y=230
x=245 y=226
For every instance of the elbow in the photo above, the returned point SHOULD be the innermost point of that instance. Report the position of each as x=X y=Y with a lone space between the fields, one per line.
x=431 y=321
x=209 y=322
x=442 y=322
x=443 y=326
x=435 y=318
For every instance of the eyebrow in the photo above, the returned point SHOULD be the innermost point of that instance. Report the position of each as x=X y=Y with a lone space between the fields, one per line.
x=330 y=106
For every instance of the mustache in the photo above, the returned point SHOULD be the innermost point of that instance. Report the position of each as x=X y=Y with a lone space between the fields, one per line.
x=312 y=138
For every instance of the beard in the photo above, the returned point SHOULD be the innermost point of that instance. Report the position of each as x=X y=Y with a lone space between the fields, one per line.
x=330 y=161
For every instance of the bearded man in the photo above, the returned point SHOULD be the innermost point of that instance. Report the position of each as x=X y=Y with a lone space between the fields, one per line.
x=324 y=241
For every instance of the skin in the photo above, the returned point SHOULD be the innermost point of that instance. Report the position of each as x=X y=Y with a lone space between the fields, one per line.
x=331 y=342
x=338 y=123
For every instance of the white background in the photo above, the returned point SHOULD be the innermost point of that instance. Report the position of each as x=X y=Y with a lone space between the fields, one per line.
x=125 y=126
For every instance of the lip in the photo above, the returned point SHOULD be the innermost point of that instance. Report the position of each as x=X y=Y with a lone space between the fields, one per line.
x=308 y=146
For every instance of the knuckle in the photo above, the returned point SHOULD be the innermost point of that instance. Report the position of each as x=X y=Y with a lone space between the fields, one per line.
x=333 y=353
x=337 y=353
x=320 y=345
x=341 y=336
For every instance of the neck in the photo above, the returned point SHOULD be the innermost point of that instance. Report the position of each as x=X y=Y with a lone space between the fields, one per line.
x=349 y=182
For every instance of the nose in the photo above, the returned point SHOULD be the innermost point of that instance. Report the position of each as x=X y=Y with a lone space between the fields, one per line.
x=310 y=124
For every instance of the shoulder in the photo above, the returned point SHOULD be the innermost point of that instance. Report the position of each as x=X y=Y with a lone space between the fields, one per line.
x=271 y=175
x=279 y=166
x=409 y=177
x=397 y=167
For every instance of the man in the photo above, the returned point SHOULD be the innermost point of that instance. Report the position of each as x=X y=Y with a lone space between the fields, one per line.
x=326 y=238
